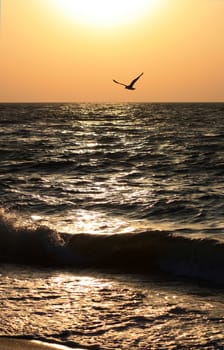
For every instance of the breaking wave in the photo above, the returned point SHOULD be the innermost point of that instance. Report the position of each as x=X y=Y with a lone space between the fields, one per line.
x=199 y=258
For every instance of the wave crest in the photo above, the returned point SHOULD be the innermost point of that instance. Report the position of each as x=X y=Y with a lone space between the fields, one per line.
x=200 y=258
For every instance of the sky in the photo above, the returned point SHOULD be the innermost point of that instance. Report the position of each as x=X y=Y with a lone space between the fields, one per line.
x=71 y=50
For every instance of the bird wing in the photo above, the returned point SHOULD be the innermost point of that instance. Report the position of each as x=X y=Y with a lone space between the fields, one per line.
x=134 y=81
x=117 y=82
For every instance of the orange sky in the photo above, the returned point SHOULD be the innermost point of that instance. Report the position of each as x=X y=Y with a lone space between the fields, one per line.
x=51 y=55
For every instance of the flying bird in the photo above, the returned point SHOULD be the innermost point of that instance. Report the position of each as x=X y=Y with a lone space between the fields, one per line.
x=131 y=85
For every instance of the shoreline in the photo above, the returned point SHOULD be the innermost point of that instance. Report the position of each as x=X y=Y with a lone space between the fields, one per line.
x=9 y=343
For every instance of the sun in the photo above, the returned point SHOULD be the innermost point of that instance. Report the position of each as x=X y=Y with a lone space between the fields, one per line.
x=103 y=13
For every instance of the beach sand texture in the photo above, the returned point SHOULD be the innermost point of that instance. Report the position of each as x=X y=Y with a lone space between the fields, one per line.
x=20 y=344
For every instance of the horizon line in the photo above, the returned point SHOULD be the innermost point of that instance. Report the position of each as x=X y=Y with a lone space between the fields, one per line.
x=109 y=102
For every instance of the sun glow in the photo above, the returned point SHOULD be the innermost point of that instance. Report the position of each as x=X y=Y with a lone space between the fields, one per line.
x=104 y=13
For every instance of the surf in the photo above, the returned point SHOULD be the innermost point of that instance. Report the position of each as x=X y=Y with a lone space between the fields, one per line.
x=148 y=252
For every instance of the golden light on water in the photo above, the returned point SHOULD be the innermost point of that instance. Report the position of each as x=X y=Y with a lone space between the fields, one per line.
x=99 y=223
x=92 y=222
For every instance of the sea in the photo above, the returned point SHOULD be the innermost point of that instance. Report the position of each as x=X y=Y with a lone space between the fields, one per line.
x=112 y=224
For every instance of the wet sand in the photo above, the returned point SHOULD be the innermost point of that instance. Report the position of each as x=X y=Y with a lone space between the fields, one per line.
x=20 y=344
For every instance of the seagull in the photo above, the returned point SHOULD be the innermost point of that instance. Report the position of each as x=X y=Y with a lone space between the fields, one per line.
x=131 y=85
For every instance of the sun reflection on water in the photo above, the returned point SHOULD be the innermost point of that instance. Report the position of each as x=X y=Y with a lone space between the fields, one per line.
x=93 y=222
x=82 y=283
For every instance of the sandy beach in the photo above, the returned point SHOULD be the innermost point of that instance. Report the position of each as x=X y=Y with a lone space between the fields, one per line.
x=20 y=344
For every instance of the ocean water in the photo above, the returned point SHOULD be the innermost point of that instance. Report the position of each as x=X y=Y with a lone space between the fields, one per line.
x=112 y=224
